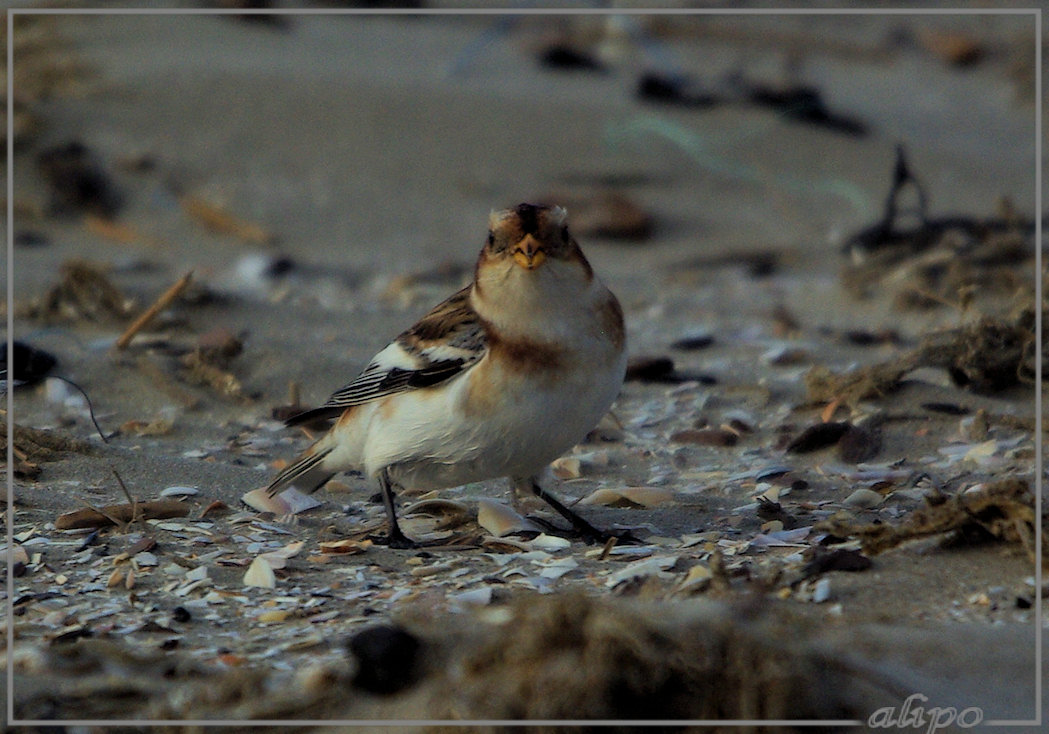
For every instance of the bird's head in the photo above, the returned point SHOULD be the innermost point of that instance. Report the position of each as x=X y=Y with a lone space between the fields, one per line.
x=530 y=236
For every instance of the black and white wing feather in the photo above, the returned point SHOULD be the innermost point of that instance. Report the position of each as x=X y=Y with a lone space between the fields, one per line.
x=442 y=345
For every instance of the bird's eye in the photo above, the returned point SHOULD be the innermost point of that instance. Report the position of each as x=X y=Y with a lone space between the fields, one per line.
x=491 y=239
x=564 y=233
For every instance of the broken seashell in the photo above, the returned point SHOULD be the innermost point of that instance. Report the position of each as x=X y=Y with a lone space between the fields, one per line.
x=345 y=546
x=641 y=569
x=279 y=558
x=863 y=499
x=499 y=519
x=629 y=497
x=273 y=615
x=260 y=574
x=549 y=542
x=567 y=467
x=179 y=492
x=474 y=597
x=697 y=578
x=438 y=507
x=289 y=502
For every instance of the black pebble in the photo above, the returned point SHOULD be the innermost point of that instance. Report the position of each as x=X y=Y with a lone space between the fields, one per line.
x=386 y=658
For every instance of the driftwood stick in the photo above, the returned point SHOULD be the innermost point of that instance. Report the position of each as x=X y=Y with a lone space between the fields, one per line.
x=150 y=313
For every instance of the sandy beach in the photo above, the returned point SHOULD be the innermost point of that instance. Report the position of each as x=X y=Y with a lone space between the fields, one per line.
x=328 y=179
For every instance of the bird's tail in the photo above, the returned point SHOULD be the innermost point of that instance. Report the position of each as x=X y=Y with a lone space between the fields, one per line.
x=307 y=473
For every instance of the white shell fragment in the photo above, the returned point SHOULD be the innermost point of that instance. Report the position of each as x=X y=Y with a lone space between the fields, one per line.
x=499 y=519
x=629 y=497
x=260 y=574
x=179 y=492
x=474 y=597
x=567 y=467
x=549 y=542
x=863 y=499
x=647 y=567
x=279 y=558
x=289 y=502
x=697 y=577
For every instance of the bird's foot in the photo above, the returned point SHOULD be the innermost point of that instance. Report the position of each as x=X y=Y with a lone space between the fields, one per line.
x=399 y=541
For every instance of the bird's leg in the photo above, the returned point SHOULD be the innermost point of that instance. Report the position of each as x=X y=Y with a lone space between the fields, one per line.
x=395 y=538
x=589 y=532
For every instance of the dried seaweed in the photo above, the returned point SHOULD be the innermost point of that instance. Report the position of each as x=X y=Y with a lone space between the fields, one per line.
x=946 y=260
x=40 y=445
x=84 y=293
x=985 y=356
x=1003 y=510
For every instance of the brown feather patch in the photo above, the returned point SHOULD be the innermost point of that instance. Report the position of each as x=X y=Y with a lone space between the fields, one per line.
x=445 y=319
x=522 y=354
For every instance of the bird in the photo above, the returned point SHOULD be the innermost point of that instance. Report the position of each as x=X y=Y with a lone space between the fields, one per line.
x=498 y=380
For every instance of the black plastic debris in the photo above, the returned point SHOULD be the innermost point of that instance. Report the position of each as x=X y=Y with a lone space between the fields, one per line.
x=27 y=365
x=562 y=57
x=674 y=90
x=804 y=104
x=78 y=182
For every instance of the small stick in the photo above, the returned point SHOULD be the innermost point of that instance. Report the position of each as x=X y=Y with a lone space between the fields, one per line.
x=130 y=500
x=150 y=313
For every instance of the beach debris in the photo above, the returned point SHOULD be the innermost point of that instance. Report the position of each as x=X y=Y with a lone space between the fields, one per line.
x=562 y=56
x=163 y=301
x=673 y=89
x=217 y=219
x=1003 y=509
x=84 y=292
x=629 y=497
x=160 y=425
x=859 y=444
x=448 y=513
x=260 y=574
x=346 y=546
x=386 y=658
x=694 y=341
x=985 y=356
x=706 y=437
x=289 y=502
x=947 y=260
x=818 y=436
x=77 y=181
x=799 y=103
x=863 y=499
x=824 y=560
x=27 y=365
x=36 y=444
x=121 y=514
x=179 y=492
x=954 y=47
x=661 y=370
x=499 y=519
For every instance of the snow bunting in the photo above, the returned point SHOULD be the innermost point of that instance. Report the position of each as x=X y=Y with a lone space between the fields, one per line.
x=496 y=381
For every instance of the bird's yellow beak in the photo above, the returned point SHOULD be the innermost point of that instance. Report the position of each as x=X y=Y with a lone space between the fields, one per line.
x=529 y=253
